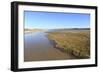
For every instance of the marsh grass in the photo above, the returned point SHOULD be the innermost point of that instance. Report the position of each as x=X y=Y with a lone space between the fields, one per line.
x=76 y=43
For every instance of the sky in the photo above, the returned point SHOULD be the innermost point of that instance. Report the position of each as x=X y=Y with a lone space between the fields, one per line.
x=54 y=20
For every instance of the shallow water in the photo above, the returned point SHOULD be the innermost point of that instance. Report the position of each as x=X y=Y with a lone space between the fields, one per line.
x=37 y=47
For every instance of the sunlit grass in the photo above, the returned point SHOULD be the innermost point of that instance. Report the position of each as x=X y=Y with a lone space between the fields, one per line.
x=76 y=43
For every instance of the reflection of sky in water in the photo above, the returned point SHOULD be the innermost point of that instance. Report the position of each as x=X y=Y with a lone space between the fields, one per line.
x=36 y=41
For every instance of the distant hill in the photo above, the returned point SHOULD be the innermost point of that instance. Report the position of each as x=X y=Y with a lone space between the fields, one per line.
x=66 y=29
x=71 y=29
x=51 y=30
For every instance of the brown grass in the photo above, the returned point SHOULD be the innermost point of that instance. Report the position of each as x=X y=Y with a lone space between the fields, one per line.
x=76 y=43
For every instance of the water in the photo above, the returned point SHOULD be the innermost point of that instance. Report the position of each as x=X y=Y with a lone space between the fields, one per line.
x=37 y=47
x=35 y=41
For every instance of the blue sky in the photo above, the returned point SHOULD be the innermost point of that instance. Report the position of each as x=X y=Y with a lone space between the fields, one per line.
x=52 y=20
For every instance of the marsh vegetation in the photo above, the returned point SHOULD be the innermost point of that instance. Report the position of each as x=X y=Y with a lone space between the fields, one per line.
x=73 y=41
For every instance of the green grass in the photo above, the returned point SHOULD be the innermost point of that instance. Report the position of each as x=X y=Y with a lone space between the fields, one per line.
x=74 y=42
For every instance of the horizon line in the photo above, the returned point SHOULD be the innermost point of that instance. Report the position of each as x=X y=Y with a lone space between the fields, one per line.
x=56 y=28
